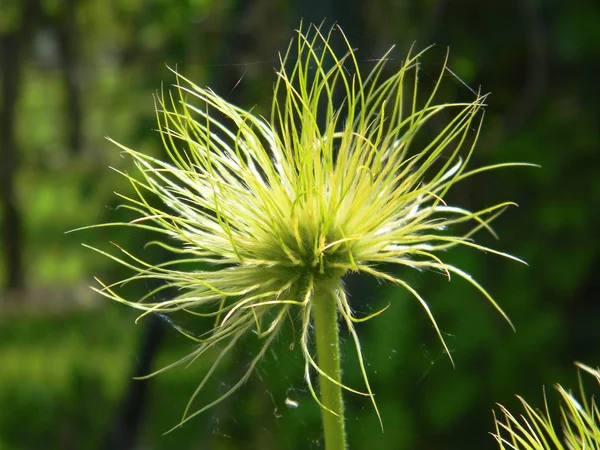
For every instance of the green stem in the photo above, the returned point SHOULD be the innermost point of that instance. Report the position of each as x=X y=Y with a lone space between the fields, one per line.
x=328 y=357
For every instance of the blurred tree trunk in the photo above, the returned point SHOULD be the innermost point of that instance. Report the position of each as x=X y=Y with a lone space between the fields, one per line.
x=128 y=418
x=11 y=230
x=12 y=45
x=68 y=38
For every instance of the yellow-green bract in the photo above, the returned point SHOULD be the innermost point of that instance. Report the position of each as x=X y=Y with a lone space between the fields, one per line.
x=278 y=209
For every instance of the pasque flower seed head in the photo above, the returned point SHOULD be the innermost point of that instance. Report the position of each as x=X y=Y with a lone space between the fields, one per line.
x=338 y=179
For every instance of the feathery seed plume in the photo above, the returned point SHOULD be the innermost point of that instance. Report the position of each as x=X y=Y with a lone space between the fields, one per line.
x=278 y=209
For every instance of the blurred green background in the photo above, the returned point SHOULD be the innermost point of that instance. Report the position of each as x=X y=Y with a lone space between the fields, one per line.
x=74 y=71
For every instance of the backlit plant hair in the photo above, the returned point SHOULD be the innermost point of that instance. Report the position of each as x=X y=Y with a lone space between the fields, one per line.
x=279 y=209
x=579 y=428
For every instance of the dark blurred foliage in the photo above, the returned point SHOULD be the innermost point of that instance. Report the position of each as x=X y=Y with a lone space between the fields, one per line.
x=73 y=71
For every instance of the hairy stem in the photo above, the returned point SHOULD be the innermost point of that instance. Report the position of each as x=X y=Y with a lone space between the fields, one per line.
x=328 y=358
